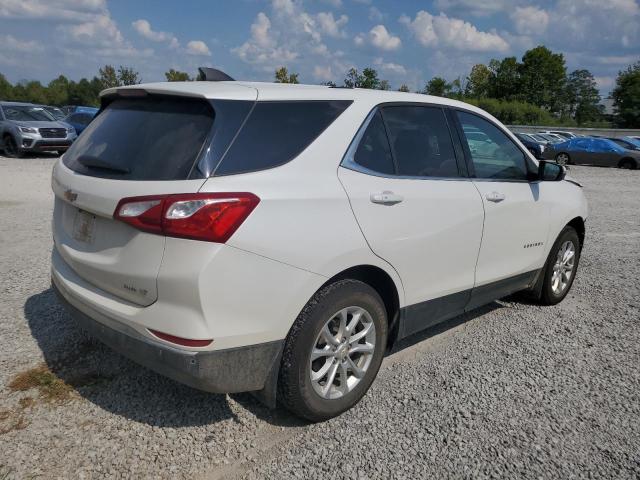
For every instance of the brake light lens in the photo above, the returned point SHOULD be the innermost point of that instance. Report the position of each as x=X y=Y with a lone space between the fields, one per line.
x=211 y=217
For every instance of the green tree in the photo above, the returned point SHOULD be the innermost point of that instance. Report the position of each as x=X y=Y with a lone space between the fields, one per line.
x=108 y=77
x=626 y=97
x=542 y=78
x=58 y=91
x=177 y=76
x=504 y=81
x=369 y=79
x=404 y=88
x=128 y=76
x=437 y=86
x=582 y=97
x=6 y=89
x=384 y=85
x=283 y=76
x=478 y=81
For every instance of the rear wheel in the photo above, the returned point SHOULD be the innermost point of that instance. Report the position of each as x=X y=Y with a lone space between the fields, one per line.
x=563 y=159
x=11 y=149
x=333 y=351
x=560 y=269
x=627 y=163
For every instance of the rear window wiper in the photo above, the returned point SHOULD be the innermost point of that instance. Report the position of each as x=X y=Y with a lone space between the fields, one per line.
x=90 y=161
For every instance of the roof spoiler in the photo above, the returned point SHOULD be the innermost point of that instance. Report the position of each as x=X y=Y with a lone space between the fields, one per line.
x=213 y=75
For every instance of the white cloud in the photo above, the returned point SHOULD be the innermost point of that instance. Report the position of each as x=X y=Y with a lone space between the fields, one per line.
x=331 y=26
x=289 y=33
x=595 y=25
x=198 y=47
x=530 y=20
x=605 y=82
x=12 y=44
x=389 y=67
x=380 y=38
x=323 y=73
x=70 y=10
x=452 y=33
x=143 y=27
x=375 y=15
x=476 y=8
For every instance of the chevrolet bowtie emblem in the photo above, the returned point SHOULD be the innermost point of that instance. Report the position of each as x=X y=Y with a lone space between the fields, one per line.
x=70 y=195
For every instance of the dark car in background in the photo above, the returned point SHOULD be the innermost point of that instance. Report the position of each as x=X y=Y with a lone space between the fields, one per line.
x=55 y=112
x=593 y=151
x=536 y=148
x=80 y=120
x=627 y=142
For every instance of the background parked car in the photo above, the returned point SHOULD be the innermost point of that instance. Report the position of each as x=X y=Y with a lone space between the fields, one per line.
x=80 y=120
x=561 y=133
x=629 y=143
x=536 y=148
x=553 y=137
x=25 y=127
x=55 y=112
x=69 y=109
x=593 y=151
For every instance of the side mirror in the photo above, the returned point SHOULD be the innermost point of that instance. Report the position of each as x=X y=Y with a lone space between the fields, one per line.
x=550 y=171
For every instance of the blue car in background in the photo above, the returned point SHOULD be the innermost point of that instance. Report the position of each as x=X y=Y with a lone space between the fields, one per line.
x=629 y=143
x=81 y=118
x=593 y=151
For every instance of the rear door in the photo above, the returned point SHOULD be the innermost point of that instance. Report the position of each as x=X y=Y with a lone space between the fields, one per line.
x=516 y=219
x=416 y=208
x=137 y=146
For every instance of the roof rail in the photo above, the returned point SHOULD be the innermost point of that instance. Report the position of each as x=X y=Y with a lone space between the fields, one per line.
x=212 y=75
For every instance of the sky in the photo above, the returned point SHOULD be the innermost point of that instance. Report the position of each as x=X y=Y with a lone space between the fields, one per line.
x=406 y=41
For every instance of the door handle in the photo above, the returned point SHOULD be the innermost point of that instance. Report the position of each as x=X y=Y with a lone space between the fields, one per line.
x=495 y=197
x=386 y=198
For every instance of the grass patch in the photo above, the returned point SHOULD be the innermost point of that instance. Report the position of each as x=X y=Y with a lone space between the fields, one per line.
x=50 y=387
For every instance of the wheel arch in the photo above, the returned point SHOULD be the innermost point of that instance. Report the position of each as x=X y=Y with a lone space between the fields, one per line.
x=631 y=160
x=579 y=225
x=381 y=282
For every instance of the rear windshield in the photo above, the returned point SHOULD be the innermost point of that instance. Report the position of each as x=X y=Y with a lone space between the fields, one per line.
x=162 y=138
x=277 y=132
x=150 y=138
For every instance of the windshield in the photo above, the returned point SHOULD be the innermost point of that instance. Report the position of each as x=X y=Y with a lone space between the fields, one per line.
x=26 y=113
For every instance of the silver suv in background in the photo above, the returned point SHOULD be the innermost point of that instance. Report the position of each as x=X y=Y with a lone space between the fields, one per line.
x=30 y=128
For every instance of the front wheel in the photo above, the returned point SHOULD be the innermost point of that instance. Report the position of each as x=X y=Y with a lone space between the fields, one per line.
x=11 y=149
x=333 y=351
x=560 y=269
x=628 y=164
x=563 y=159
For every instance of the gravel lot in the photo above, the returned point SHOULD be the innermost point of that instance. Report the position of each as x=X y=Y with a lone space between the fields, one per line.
x=512 y=390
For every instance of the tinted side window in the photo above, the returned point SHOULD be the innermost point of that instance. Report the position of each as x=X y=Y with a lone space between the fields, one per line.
x=421 y=142
x=493 y=153
x=277 y=132
x=373 y=151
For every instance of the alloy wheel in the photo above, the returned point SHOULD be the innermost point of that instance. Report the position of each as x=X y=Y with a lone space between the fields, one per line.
x=562 y=159
x=563 y=268
x=342 y=352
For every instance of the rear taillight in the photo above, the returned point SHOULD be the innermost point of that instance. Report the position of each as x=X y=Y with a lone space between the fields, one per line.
x=212 y=217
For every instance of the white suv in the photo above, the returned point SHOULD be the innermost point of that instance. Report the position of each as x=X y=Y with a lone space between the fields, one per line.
x=279 y=239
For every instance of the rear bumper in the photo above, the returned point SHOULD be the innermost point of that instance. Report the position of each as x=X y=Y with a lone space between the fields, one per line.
x=222 y=371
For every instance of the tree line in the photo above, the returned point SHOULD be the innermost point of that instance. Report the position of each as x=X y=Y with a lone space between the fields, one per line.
x=535 y=90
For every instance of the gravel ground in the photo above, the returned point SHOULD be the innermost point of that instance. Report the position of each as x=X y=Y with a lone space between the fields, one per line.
x=512 y=390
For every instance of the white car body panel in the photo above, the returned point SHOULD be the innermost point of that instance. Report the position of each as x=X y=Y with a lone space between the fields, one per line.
x=432 y=237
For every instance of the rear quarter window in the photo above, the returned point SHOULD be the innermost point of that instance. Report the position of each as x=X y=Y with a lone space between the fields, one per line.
x=277 y=132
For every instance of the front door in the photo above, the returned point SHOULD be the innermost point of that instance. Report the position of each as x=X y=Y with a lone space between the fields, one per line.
x=415 y=209
x=516 y=218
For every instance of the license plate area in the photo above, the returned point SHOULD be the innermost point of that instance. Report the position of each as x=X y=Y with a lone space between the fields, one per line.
x=84 y=227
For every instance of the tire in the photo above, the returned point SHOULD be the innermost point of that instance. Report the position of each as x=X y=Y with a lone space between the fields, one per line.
x=628 y=164
x=563 y=159
x=11 y=149
x=297 y=391
x=555 y=288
